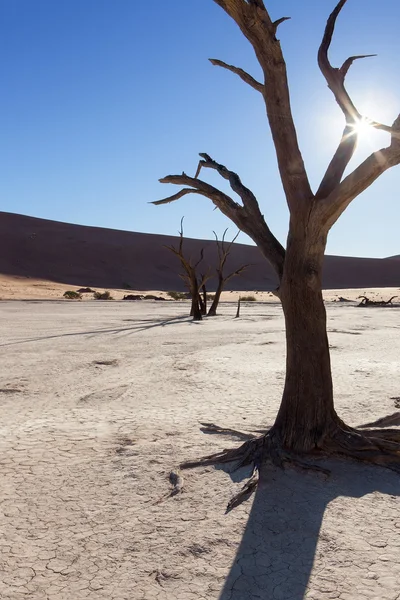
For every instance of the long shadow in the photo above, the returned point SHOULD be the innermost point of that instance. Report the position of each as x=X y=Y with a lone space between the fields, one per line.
x=277 y=552
x=113 y=330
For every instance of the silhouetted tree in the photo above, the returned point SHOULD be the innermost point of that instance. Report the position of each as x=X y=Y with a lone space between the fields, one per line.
x=307 y=422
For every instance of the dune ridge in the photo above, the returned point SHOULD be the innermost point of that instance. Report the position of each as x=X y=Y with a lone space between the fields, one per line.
x=99 y=257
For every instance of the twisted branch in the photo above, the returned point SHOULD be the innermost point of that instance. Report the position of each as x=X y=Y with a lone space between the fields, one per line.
x=247 y=218
x=246 y=195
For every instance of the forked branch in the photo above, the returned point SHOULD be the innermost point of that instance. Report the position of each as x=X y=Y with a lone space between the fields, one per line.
x=223 y=253
x=222 y=249
x=335 y=78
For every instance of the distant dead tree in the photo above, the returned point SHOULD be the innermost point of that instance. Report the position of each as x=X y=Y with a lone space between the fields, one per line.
x=189 y=276
x=238 y=309
x=367 y=302
x=223 y=250
x=203 y=294
x=307 y=422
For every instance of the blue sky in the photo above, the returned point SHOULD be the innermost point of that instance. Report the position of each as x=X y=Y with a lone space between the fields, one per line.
x=101 y=98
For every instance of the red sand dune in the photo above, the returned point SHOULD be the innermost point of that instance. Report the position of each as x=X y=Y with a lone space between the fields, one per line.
x=107 y=258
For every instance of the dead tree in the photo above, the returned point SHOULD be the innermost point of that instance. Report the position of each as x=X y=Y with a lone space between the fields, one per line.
x=189 y=276
x=223 y=253
x=307 y=422
x=238 y=309
x=203 y=295
x=367 y=302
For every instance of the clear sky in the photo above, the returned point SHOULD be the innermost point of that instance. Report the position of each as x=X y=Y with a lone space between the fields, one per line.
x=101 y=98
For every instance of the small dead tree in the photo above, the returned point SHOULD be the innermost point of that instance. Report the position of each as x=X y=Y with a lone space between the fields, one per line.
x=223 y=253
x=238 y=309
x=203 y=294
x=367 y=302
x=189 y=276
x=307 y=422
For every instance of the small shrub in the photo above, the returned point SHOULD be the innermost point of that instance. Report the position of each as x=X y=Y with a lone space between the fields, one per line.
x=71 y=295
x=210 y=297
x=133 y=297
x=177 y=295
x=248 y=299
x=151 y=297
x=103 y=295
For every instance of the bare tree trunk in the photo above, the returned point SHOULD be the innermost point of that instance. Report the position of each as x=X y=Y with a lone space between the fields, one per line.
x=195 y=311
x=238 y=309
x=306 y=413
x=213 y=308
x=203 y=300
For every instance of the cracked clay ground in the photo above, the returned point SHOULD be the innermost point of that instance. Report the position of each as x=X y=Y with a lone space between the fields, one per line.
x=99 y=401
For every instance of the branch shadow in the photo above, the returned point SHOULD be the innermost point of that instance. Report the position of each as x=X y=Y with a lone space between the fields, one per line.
x=112 y=330
x=278 y=550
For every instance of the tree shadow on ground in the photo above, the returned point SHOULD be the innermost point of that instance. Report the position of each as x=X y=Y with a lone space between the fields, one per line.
x=140 y=326
x=282 y=541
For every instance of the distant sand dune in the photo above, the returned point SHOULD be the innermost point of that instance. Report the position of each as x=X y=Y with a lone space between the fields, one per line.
x=93 y=256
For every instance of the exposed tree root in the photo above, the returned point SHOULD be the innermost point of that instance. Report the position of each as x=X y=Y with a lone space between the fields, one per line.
x=374 y=446
x=254 y=452
x=392 y=435
x=247 y=490
x=213 y=428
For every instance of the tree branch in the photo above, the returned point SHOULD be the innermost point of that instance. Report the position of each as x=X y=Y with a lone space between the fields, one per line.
x=247 y=218
x=246 y=195
x=237 y=272
x=223 y=252
x=190 y=275
x=176 y=196
x=335 y=79
x=255 y=23
x=276 y=23
x=339 y=162
x=242 y=74
x=360 y=179
x=222 y=201
x=349 y=61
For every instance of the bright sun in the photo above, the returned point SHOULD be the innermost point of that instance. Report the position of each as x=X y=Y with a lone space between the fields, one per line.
x=363 y=128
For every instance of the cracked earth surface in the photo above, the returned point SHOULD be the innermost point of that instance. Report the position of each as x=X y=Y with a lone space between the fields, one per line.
x=99 y=401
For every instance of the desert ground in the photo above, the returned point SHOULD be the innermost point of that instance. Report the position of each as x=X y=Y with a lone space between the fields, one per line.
x=100 y=400
x=30 y=288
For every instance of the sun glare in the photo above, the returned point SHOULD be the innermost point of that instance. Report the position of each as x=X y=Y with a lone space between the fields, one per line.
x=363 y=128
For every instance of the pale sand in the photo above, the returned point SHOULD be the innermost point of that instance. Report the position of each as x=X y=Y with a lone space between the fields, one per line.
x=86 y=450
